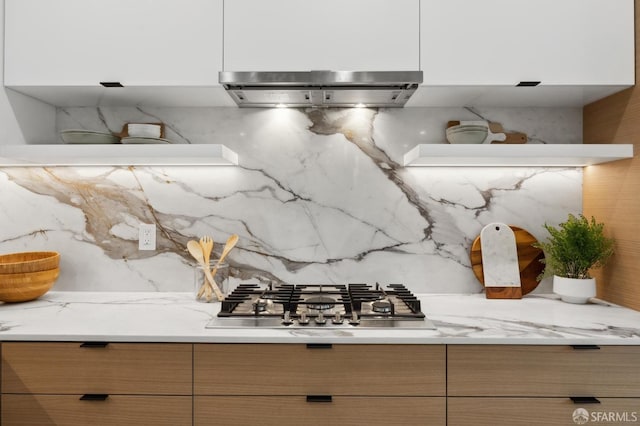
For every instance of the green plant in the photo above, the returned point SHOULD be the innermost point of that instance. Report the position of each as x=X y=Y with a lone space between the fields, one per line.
x=575 y=247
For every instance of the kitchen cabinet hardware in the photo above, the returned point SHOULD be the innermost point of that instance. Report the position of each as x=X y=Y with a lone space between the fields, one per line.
x=111 y=84
x=319 y=398
x=94 y=344
x=319 y=346
x=584 y=400
x=528 y=83
x=585 y=347
x=94 y=397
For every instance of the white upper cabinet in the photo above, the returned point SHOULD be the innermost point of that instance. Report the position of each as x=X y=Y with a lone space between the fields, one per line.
x=169 y=52
x=476 y=52
x=557 y=42
x=338 y=35
x=141 y=43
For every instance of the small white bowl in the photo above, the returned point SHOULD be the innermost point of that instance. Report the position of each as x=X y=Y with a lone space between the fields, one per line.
x=144 y=130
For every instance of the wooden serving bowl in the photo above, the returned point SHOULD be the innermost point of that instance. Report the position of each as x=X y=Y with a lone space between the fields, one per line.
x=29 y=261
x=27 y=285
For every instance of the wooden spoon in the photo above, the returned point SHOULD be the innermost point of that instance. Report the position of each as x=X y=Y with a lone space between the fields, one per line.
x=196 y=251
x=231 y=243
x=206 y=243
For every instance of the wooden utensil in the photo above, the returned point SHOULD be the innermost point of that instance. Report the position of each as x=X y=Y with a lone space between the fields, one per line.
x=528 y=259
x=231 y=243
x=196 y=251
x=511 y=137
x=206 y=243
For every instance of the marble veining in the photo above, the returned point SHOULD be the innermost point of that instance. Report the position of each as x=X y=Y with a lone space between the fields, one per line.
x=319 y=196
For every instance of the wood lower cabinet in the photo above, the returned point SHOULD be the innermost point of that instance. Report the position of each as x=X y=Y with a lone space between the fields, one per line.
x=281 y=369
x=341 y=410
x=96 y=383
x=525 y=370
x=114 y=368
x=533 y=385
x=116 y=410
x=267 y=384
x=539 y=411
x=294 y=384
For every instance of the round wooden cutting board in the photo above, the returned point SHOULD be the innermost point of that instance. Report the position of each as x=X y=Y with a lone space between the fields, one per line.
x=528 y=259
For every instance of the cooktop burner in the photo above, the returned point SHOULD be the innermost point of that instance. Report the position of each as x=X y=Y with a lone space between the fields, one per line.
x=321 y=305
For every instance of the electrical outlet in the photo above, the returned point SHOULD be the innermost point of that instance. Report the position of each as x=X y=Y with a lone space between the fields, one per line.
x=147 y=236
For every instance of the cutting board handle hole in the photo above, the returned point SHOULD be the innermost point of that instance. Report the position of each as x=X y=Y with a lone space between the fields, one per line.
x=497 y=228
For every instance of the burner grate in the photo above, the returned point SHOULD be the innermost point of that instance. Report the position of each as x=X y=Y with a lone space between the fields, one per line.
x=317 y=301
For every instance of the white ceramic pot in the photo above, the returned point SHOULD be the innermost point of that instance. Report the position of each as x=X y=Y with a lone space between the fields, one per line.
x=574 y=290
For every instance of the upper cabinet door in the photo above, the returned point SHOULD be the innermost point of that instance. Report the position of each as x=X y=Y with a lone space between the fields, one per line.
x=339 y=35
x=138 y=43
x=503 y=42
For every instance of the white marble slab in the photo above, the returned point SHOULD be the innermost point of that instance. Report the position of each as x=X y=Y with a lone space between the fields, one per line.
x=318 y=196
x=176 y=317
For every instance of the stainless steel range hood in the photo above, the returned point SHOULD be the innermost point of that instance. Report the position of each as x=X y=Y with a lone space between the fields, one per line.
x=335 y=89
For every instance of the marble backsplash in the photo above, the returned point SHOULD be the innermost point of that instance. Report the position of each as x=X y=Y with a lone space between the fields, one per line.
x=318 y=196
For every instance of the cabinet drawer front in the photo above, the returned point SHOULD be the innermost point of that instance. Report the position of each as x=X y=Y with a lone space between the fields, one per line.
x=118 y=368
x=296 y=411
x=543 y=371
x=539 y=411
x=270 y=369
x=69 y=410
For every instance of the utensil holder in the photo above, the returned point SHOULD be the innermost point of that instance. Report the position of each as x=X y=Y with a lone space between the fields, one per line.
x=221 y=278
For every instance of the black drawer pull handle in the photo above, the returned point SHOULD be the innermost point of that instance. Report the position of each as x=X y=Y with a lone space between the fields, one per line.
x=94 y=344
x=111 y=84
x=584 y=400
x=94 y=397
x=319 y=398
x=319 y=345
x=585 y=347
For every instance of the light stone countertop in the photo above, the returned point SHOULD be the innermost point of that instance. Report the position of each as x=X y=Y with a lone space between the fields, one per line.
x=176 y=317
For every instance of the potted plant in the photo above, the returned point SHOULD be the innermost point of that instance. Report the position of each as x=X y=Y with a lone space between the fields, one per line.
x=574 y=248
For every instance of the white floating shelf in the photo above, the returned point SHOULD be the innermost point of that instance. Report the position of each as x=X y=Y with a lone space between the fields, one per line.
x=516 y=155
x=117 y=155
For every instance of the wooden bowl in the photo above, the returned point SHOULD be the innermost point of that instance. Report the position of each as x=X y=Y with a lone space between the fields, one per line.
x=29 y=261
x=26 y=286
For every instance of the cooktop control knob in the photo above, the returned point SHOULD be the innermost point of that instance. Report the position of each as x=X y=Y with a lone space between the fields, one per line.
x=320 y=319
x=354 y=318
x=286 y=319
x=303 y=319
x=337 y=318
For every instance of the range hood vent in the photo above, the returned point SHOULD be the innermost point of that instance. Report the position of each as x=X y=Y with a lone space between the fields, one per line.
x=336 y=89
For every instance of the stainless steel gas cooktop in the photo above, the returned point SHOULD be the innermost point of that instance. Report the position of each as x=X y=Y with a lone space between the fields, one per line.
x=321 y=305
